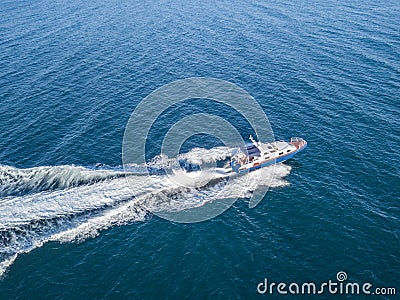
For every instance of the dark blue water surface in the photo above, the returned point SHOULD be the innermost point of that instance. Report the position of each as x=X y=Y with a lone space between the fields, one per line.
x=72 y=72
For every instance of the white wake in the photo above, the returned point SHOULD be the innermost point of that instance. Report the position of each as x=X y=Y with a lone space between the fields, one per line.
x=69 y=203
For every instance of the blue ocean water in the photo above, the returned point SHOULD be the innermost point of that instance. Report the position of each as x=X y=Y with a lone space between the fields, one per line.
x=72 y=72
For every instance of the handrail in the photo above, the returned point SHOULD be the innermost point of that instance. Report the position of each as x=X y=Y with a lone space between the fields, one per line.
x=296 y=139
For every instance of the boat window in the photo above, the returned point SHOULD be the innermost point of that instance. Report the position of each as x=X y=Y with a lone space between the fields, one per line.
x=280 y=153
x=269 y=147
x=272 y=151
x=289 y=150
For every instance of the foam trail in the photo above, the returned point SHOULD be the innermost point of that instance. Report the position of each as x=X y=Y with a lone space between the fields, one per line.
x=94 y=200
x=15 y=181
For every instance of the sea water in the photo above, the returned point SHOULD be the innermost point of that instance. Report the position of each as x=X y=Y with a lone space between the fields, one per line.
x=72 y=72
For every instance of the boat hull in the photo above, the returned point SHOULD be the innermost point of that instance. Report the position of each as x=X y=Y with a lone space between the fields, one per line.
x=269 y=162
